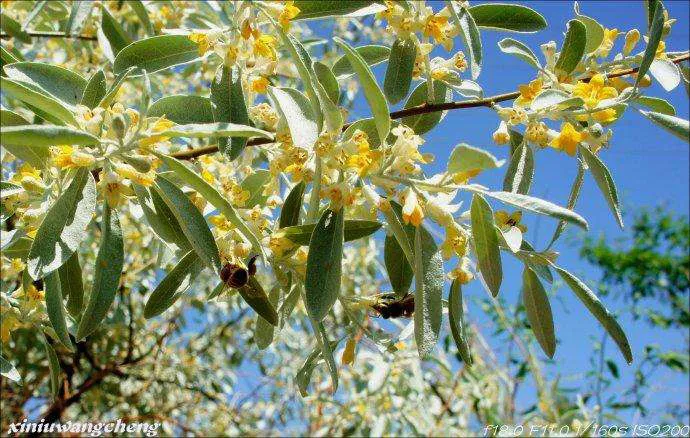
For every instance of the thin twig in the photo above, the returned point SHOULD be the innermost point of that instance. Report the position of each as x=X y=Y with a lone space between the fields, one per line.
x=49 y=34
x=424 y=108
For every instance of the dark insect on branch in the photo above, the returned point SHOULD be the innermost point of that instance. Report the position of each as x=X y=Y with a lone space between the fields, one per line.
x=388 y=306
x=235 y=275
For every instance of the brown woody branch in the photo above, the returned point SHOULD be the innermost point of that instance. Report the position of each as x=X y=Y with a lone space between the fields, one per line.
x=421 y=109
x=50 y=34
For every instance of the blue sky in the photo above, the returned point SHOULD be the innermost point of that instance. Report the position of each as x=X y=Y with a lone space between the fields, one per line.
x=650 y=167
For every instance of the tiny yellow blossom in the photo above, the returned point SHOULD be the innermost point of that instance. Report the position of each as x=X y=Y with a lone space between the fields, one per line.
x=501 y=135
x=412 y=211
x=201 y=39
x=592 y=93
x=631 y=39
x=349 y=352
x=505 y=220
x=265 y=46
x=455 y=243
x=67 y=157
x=259 y=85
x=289 y=12
x=465 y=175
x=606 y=45
x=568 y=139
x=462 y=272
x=529 y=92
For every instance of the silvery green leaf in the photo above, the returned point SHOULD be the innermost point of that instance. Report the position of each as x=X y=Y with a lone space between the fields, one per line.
x=45 y=136
x=372 y=55
x=8 y=370
x=56 y=309
x=115 y=88
x=328 y=81
x=486 y=243
x=156 y=53
x=572 y=200
x=555 y=99
x=538 y=310
x=518 y=178
x=53 y=366
x=520 y=50
x=372 y=92
x=64 y=227
x=311 y=9
x=595 y=31
x=295 y=108
x=399 y=270
x=505 y=17
x=160 y=217
x=457 y=322
x=429 y=279
x=115 y=35
x=203 y=130
x=254 y=295
x=292 y=207
x=573 y=47
x=263 y=331
x=656 y=104
x=79 y=15
x=353 y=229
x=183 y=109
x=71 y=285
x=604 y=180
x=140 y=9
x=9 y=189
x=674 y=125
x=398 y=78
x=108 y=270
x=95 y=90
x=324 y=264
x=229 y=106
x=191 y=221
x=51 y=108
x=470 y=37
x=666 y=73
x=465 y=157
x=654 y=37
x=173 y=285
x=425 y=122
x=254 y=184
x=14 y=29
x=60 y=83
x=594 y=305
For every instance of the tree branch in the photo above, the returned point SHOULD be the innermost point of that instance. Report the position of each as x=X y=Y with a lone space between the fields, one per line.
x=49 y=34
x=424 y=108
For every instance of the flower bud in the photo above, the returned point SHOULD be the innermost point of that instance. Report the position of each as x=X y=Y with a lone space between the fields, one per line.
x=501 y=135
x=141 y=163
x=32 y=184
x=631 y=39
x=119 y=126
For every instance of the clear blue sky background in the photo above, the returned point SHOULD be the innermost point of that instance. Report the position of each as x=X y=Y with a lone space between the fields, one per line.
x=650 y=168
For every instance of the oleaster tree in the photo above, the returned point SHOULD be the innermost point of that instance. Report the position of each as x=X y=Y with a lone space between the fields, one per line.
x=162 y=146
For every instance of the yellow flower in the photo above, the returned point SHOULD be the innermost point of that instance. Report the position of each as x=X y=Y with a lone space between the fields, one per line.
x=631 y=39
x=538 y=133
x=259 y=85
x=202 y=41
x=568 y=139
x=9 y=324
x=264 y=46
x=365 y=159
x=437 y=27
x=606 y=45
x=112 y=188
x=289 y=12
x=298 y=172
x=529 y=92
x=160 y=125
x=505 y=221
x=455 y=243
x=221 y=222
x=280 y=245
x=412 y=211
x=501 y=135
x=660 y=51
x=130 y=173
x=592 y=93
x=462 y=272
x=349 y=352
x=465 y=175
x=67 y=157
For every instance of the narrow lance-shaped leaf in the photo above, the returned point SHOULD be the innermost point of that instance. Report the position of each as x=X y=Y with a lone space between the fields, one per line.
x=115 y=88
x=191 y=221
x=654 y=37
x=353 y=229
x=513 y=18
x=56 y=309
x=324 y=264
x=45 y=135
x=326 y=351
x=160 y=217
x=263 y=332
x=605 y=182
x=675 y=125
x=53 y=366
x=203 y=130
x=156 y=53
x=572 y=200
x=140 y=9
x=538 y=311
x=399 y=72
x=486 y=243
x=372 y=92
x=14 y=29
x=59 y=82
x=573 y=47
x=310 y=9
x=216 y=199
x=183 y=109
x=8 y=370
x=470 y=36
x=595 y=31
x=106 y=280
x=372 y=55
x=429 y=279
x=520 y=50
x=425 y=122
x=113 y=31
x=600 y=312
x=254 y=295
x=228 y=105
x=79 y=15
x=50 y=108
x=173 y=285
x=64 y=227
x=328 y=81
x=289 y=214
x=465 y=157
x=457 y=322
x=95 y=90
x=399 y=270
x=520 y=172
x=71 y=284
x=295 y=108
